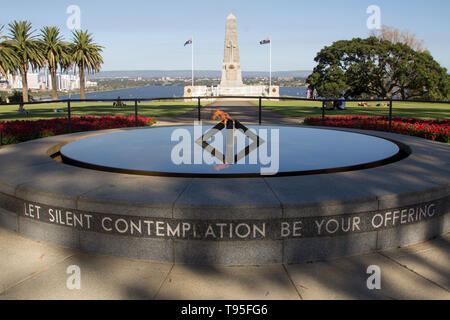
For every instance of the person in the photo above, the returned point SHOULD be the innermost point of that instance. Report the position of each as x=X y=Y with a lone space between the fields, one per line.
x=340 y=104
x=22 y=110
x=308 y=94
x=329 y=105
x=314 y=94
x=118 y=103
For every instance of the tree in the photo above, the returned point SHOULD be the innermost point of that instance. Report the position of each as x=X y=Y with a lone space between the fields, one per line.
x=86 y=55
x=26 y=47
x=7 y=56
x=395 y=36
x=366 y=68
x=56 y=53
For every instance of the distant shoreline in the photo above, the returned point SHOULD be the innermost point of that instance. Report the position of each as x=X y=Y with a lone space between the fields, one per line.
x=113 y=96
x=87 y=92
x=198 y=73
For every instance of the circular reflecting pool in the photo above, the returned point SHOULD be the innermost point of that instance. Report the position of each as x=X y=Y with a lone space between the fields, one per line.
x=238 y=151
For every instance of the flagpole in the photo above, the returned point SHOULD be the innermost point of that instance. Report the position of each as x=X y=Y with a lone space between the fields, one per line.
x=270 y=63
x=192 y=61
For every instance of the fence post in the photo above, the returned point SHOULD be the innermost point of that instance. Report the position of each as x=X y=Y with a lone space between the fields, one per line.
x=69 y=116
x=199 y=112
x=136 y=112
x=390 y=115
x=260 y=111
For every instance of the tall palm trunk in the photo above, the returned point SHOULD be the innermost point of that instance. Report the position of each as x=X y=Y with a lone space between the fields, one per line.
x=54 y=85
x=23 y=72
x=82 y=82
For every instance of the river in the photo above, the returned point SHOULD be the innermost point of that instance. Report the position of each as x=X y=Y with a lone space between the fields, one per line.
x=164 y=92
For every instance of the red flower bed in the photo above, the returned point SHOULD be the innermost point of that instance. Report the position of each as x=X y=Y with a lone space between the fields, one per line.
x=436 y=130
x=23 y=130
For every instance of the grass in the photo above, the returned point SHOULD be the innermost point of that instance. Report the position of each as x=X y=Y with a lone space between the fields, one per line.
x=173 y=108
x=146 y=109
x=400 y=109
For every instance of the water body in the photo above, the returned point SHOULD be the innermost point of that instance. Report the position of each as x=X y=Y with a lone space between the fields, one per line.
x=131 y=93
x=133 y=151
x=164 y=92
x=299 y=92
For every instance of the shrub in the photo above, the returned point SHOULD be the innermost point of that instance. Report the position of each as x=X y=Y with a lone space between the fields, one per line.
x=23 y=130
x=436 y=130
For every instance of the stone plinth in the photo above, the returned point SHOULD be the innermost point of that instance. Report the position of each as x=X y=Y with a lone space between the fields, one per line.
x=226 y=221
x=250 y=91
x=244 y=91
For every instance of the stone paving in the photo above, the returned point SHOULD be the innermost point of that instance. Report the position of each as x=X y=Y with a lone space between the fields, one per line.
x=34 y=270
x=245 y=111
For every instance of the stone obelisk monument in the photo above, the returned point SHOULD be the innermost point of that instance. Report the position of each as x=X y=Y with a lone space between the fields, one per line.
x=231 y=69
x=231 y=82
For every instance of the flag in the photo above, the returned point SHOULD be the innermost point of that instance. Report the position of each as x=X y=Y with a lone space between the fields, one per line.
x=265 y=41
x=188 y=42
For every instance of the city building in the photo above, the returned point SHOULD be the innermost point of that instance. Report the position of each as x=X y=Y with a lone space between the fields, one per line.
x=43 y=81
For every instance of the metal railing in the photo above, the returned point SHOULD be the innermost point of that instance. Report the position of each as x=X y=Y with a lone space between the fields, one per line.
x=136 y=102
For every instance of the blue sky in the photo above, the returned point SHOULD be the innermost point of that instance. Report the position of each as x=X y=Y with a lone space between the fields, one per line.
x=149 y=35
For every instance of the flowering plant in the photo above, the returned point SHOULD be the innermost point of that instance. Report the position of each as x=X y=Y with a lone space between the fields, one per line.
x=23 y=130
x=436 y=130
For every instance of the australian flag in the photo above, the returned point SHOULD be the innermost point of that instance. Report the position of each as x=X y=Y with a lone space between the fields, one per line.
x=265 y=41
x=188 y=42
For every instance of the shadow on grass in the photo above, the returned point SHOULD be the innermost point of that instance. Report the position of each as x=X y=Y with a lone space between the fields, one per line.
x=38 y=112
x=403 y=111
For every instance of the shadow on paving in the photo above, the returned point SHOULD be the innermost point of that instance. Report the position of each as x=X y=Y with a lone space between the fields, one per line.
x=423 y=276
x=346 y=278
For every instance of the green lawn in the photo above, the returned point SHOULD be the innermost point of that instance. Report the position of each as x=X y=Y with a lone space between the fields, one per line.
x=145 y=109
x=173 y=108
x=400 y=109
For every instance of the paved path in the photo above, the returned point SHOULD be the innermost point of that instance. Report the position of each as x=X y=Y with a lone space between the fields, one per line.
x=34 y=270
x=244 y=111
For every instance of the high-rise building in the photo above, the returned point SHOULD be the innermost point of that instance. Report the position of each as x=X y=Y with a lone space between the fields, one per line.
x=37 y=81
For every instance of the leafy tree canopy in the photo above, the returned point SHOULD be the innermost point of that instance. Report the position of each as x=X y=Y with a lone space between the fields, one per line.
x=86 y=54
x=365 y=68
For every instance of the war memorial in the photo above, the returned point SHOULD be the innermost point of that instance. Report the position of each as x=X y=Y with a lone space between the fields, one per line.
x=231 y=82
x=257 y=195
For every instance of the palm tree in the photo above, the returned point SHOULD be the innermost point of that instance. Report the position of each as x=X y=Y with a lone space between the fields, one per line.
x=26 y=47
x=7 y=56
x=56 y=53
x=86 y=55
